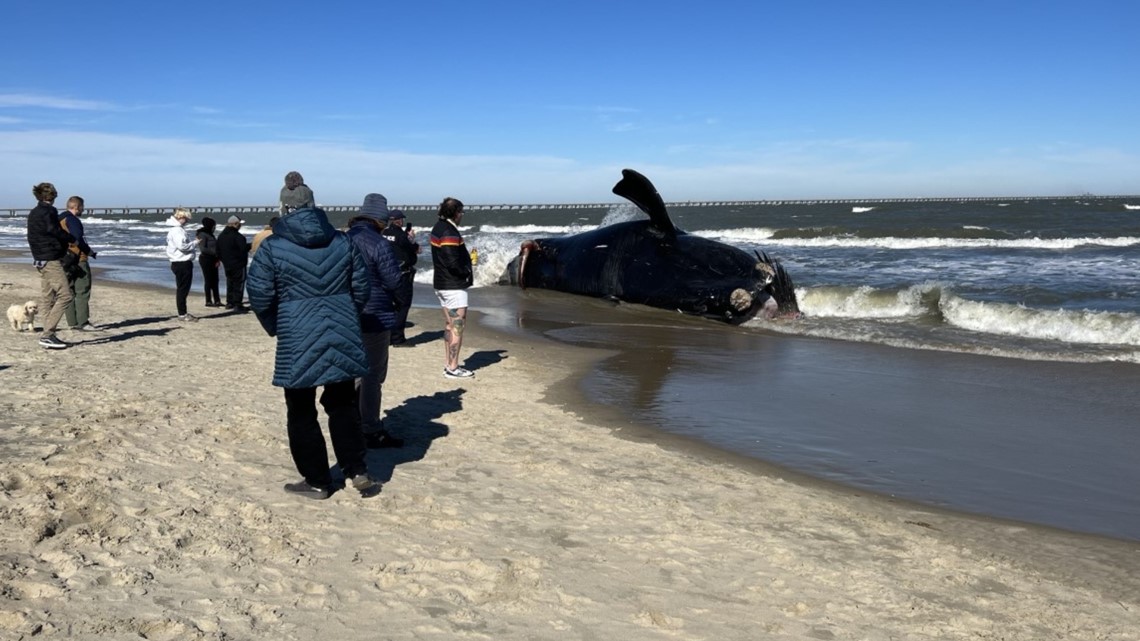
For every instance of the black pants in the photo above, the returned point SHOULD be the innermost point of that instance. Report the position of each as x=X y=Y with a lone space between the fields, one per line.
x=209 y=265
x=307 y=444
x=235 y=285
x=406 y=288
x=183 y=279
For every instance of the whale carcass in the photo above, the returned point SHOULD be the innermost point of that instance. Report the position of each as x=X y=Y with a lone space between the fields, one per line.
x=651 y=262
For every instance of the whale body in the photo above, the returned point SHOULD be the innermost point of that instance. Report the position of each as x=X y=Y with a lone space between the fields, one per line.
x=651 y=262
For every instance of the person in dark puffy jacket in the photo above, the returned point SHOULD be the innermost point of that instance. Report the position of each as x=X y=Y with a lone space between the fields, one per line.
x=208 y=260
x=49 y=242
x=380 y=314
x=308 y=286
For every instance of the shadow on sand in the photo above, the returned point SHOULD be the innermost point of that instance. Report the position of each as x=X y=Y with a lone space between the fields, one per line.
x=423 y=337
x=485 y=358
x=415 y=421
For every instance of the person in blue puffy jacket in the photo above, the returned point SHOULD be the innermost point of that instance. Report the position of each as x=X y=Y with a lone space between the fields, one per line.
x=308 y=286
x=381 y=313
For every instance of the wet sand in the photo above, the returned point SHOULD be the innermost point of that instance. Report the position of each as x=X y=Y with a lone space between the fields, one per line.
x=141 y=480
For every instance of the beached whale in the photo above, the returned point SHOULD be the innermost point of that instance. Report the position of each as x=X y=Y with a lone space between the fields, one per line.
x=651 y=262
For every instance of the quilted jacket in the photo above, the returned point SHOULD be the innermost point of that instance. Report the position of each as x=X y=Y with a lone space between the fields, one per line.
x=383 y=274
x=46 y=238
x=308 y=285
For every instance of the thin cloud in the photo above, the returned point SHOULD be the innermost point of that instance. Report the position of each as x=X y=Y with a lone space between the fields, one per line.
x=52 y=102
x=234 y=124
x=597 y=109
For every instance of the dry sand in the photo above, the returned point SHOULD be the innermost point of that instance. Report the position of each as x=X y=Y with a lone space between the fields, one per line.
x=140 y=496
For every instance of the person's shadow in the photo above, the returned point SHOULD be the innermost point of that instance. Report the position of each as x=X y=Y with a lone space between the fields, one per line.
x=131 y=322
x=485 y=358
x=102 y=338
x=415 y=422
x=423 y=337
x=126 y=336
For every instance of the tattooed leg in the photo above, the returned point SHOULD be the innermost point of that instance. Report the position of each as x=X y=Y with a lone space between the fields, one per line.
x=453 y=335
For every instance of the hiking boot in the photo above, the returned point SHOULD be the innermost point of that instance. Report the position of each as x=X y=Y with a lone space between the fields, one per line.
x=379 y=440
x=458 y=372
x=303 y=488
x=51 y=342
x=365 y=484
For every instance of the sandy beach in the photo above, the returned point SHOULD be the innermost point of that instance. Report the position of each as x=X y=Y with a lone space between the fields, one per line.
x=140 y=494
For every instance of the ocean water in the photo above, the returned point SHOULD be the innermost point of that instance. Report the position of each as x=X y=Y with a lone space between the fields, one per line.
x=1051 y=282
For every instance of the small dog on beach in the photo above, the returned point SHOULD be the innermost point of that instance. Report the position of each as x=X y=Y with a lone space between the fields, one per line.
x=21 y=316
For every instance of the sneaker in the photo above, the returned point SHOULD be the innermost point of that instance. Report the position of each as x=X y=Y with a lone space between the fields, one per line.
x=88 y=327
x=51 y=342
x=380 y=440
x=303 y=488
x=188 y=318
x=366 y=485
x=458 y=372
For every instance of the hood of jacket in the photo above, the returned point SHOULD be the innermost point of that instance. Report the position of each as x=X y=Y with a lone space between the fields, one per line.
x=308 y=227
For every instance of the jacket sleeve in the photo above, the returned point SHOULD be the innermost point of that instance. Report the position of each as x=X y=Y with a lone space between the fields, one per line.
x=261 y=288
x=186 y=242
x=80 y=239
x=456 y=261
x=408 y=247
x=389 y=267
x=361 y=288
x=57 y=231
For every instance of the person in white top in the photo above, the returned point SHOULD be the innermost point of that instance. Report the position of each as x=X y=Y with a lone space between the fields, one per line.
x=181 y=249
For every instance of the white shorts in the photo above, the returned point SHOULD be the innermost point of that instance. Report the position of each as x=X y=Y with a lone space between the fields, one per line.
x=452 y=298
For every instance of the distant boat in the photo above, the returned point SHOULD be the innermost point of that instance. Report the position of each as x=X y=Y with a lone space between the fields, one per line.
x=1132 y=206
x=859 y=210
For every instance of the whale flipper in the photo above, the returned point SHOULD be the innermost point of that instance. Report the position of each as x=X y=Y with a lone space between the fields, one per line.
x=638 y=190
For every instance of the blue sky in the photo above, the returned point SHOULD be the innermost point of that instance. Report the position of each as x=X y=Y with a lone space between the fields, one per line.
x=210 y=103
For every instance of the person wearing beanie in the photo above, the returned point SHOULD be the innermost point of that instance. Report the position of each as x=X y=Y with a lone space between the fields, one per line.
x=308 y=286
x=406 y=250
x=233 y=251
x=208 y=260
x=380 y=313
x=295 y=194
x=49 y=242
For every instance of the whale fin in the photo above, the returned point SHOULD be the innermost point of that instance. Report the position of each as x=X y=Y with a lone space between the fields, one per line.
x=638 y=190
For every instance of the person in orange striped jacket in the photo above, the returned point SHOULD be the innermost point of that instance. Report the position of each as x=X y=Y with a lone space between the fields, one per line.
x=453 y=274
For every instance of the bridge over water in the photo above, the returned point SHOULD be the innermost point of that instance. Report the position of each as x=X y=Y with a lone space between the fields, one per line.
x=270 y=210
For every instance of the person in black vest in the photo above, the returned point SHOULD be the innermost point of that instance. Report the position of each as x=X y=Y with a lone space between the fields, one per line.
x=233 y=251
x=406 y=252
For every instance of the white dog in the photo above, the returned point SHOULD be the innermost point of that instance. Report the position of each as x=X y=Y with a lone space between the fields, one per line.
x=21 y=316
